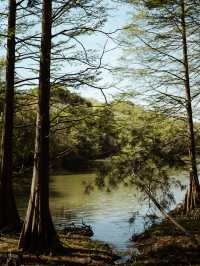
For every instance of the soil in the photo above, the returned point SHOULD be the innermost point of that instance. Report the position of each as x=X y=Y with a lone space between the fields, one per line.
x=79 y=249
x=164 y=244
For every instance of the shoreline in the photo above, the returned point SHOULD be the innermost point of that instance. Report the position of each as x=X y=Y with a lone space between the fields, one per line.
x=163 y=244
x=78 y=249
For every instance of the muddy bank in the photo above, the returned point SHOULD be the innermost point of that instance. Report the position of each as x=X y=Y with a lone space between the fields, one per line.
x=79 y=249
x=164 y=244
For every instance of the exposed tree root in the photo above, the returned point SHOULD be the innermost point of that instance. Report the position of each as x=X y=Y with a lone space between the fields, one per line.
x=192 y=197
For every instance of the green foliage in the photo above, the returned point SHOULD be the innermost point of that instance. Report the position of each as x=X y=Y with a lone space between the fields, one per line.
x=153 y=54
x=79 y=131
x=133 y=140
x=149 y=143
x=156 y=3
x=83 y=131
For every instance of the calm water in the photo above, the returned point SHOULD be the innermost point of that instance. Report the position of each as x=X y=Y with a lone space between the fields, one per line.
x=107 y=212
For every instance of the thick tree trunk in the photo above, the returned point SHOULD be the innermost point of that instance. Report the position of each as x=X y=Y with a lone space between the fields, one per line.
x=38 y=234
x=9 y=217
x=192 y=199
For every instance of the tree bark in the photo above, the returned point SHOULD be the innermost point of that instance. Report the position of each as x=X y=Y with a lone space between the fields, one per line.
x=9 y=217
x=192 y=199
x=38 y=234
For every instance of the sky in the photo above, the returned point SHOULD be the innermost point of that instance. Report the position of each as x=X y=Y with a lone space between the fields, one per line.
x=118 y=16
x=117 y=19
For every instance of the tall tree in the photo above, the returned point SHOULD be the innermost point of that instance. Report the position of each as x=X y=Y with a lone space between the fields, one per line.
x=192 y=198
x=170 y=48
x=38 y=234
x=74 y=62
x=9 y=217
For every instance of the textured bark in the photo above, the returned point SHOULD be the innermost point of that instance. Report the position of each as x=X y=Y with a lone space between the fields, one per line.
x=38 y=234
x=192 y=199
x=9 y=217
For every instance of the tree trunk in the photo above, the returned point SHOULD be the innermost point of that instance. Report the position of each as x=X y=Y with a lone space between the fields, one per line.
x=167 y=215
x=9 y=217
x=192 y=199
x=38 y=234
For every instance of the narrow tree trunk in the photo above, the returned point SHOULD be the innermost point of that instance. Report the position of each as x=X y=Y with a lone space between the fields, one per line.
x=192 y=199
x=38 y=234
x=167 y=216
x=9 y=217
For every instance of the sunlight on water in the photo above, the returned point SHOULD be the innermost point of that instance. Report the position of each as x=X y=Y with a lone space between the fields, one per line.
x=108 y=213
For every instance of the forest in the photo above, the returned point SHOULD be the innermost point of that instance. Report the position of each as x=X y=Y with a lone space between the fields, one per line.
x=100 y=132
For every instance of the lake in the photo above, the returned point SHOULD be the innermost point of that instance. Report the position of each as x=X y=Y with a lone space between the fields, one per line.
x=108 y=213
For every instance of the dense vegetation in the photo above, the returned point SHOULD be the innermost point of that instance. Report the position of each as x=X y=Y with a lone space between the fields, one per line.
x=83 y=131
x=46 y=125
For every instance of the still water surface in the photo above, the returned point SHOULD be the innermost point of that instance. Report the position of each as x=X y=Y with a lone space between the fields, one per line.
x=107 y=212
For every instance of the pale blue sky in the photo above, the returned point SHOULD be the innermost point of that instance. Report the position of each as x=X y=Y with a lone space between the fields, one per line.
x=118 y=17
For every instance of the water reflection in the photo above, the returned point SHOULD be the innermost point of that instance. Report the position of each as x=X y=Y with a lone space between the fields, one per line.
x=108 y=213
